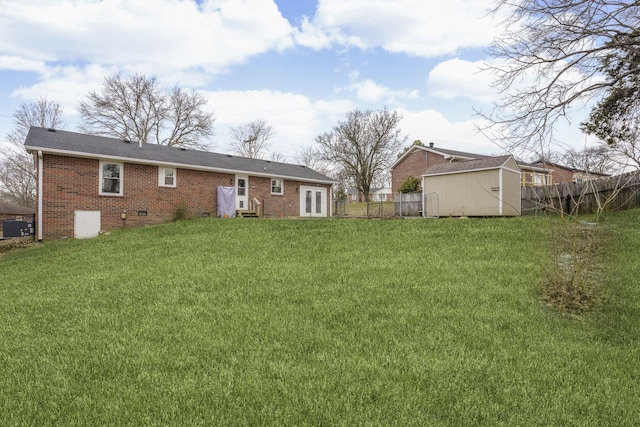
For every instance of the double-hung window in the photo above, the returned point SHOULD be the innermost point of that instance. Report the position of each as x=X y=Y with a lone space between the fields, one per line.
x=111 y=176
x=277 y=186
x=166 y=177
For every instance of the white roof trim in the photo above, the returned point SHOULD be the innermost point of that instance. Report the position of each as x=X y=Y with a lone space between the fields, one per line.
x=471 y=170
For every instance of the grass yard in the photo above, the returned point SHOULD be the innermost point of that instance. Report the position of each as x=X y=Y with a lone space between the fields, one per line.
x=315 y=322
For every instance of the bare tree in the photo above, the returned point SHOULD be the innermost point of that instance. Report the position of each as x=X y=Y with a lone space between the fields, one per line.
x=312 y=158
x=277 y=157
x=137 y=109
x=41 y=113
x=621 y=134
x=189 y=122
x=17 y=177
x=551 y=58
x=596 y=159
x=17 y=170
x=363 y=146
x=252 y=139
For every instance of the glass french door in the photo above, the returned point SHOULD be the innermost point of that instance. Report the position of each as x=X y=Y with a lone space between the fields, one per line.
x=313 y=201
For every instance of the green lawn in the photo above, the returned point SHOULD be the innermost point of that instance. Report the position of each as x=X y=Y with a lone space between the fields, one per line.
x=315 y=322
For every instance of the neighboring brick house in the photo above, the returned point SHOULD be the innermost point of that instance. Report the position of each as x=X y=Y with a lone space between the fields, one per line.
x=561 y=173
x=90 y=183
x=415 y=161
x=9 y=212
x=418 y=159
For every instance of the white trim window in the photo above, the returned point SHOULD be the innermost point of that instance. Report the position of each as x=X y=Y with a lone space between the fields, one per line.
x=277 y=186
x=167 y=177
x=111 y=179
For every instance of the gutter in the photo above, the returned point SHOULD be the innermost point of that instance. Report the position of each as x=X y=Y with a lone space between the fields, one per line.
x=189 y=166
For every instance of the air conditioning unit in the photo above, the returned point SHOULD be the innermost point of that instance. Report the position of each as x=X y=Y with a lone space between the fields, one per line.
x=16 y=228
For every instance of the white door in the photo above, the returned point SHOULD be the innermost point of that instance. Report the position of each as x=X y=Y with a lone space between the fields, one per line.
x=313 y=201
x=86 y=224
x=242 y=192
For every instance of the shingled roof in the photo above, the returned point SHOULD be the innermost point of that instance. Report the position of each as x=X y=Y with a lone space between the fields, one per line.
x=82 y=145
x=446 y=153
x=467 y=166
x=9 y=209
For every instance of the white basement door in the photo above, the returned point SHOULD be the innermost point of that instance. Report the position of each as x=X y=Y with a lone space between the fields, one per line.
x=86 y=224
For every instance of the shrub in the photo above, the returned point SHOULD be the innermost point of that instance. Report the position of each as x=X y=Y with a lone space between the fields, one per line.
x=410 y=185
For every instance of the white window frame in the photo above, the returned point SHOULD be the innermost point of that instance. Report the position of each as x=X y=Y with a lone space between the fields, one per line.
x=281 y=186
x=162 y=175
x=121 y=178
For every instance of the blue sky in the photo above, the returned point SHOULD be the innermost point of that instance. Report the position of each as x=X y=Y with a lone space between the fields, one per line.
x=300 y=65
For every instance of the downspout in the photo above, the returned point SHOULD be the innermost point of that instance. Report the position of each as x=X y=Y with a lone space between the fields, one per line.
x=40 y=195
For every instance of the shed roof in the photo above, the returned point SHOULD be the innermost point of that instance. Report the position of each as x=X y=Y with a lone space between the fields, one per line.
x=467 y=166
x=9 y=209
x=82 y=145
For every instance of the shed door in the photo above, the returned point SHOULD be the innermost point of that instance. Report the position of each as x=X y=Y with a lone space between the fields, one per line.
x=86 y=224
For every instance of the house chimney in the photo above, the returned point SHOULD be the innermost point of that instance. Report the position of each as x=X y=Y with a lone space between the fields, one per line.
x=431 y=144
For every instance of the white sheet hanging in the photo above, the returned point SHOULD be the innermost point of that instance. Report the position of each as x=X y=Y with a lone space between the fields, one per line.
x=226 y=202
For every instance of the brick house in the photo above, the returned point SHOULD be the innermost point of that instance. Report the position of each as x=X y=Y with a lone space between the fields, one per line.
x=418 y=159
x=561 y=173
x=88 y=184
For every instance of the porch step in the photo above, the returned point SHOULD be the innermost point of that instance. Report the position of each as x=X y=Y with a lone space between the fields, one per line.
x=247 y=214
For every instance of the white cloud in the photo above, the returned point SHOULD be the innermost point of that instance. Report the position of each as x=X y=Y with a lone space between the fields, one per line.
x=369 y=91
x=147 y=36
x=432 y=126
x=294 y=117
x=408 y=26
x=66 y=85
x=459 y=78
x=17 y=63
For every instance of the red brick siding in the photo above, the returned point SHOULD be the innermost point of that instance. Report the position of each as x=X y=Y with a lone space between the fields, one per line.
x=415 y=164
x=71 y=184
x=559 y=173
x=276 y=205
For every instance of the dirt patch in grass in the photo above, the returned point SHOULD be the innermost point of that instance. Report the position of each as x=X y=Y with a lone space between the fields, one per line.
x=7 y=245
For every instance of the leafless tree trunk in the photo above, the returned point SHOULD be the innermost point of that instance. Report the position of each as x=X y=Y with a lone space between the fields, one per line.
x=190 y=123
x=363 y=146
x=17 y=177
x=137 y=109
x=596 y=159
x=17 y=169
x=311 y=158
x=252 y=139
x=42 y=113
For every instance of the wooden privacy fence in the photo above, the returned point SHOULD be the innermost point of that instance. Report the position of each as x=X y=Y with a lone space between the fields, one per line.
x=605 y=194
